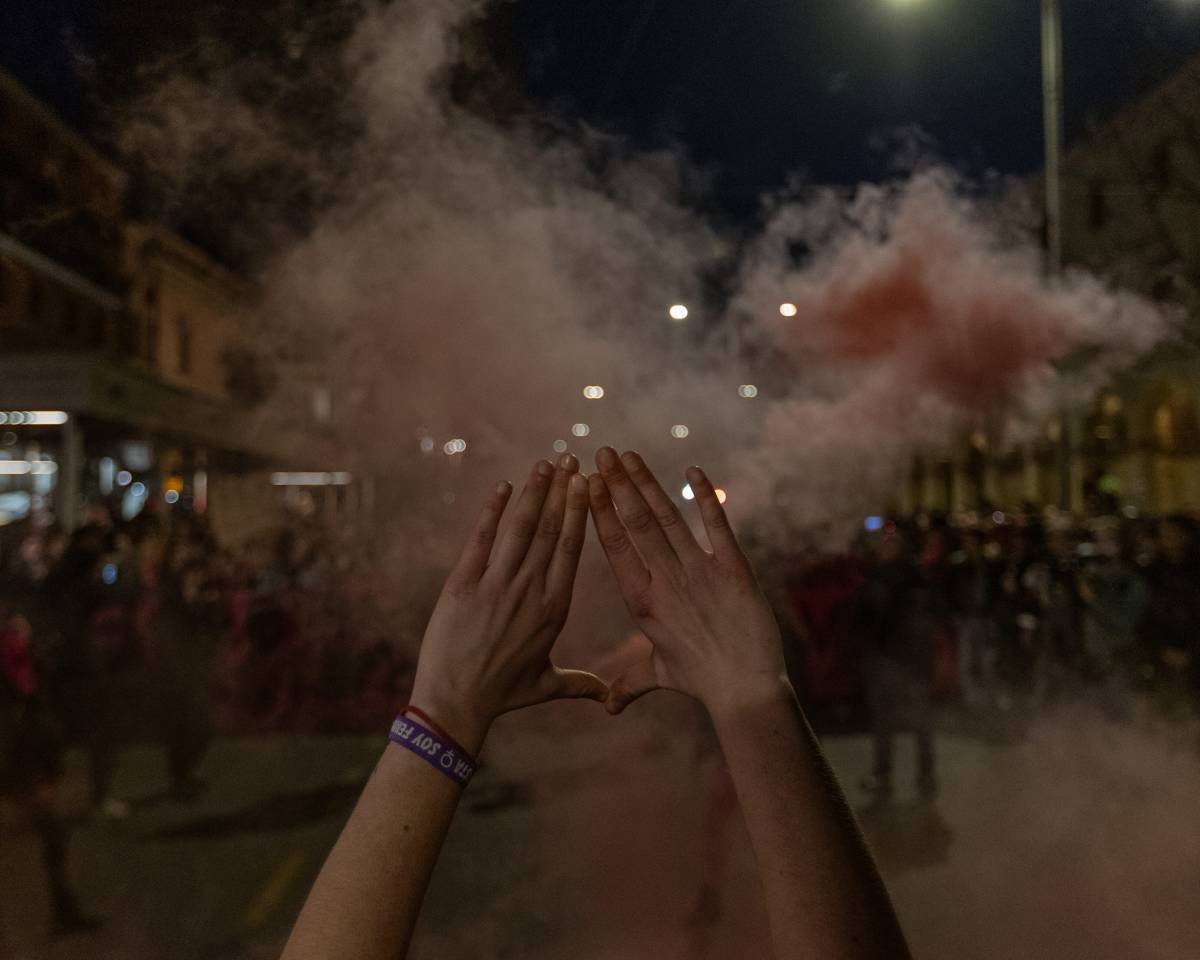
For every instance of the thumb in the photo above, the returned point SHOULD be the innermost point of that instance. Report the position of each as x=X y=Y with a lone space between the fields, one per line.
x=563 y=684
x=639 y=679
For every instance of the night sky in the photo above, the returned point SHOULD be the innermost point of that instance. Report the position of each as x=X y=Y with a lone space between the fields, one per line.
x=752 y=89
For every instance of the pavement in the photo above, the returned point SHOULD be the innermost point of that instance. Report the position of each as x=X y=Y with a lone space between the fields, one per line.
x=585 y=836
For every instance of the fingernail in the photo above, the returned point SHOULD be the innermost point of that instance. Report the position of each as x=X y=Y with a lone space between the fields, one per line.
x=630 y=459
x=606 y=458
x=502 y=488
x=578 y=483
x=545 y=468
x=569 y=462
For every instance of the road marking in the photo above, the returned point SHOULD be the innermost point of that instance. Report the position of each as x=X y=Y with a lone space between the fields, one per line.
x=274 y=890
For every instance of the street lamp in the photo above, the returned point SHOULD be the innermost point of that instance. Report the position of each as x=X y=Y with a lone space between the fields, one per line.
x=1052 y=81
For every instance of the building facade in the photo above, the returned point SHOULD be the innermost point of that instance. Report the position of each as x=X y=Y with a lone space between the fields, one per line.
x=1131 y=214
x=129 y=372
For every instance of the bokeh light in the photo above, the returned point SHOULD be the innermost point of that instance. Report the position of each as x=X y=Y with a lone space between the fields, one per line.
x=748 y=391
x=788 y=309
x=560 y=446
x=678 y=312
x=722 y=496
x=679 y=431
x=688 y=493
x=593 y=392
x=581 y=430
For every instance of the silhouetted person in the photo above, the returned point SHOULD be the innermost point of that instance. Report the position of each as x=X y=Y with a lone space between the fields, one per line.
x=188 y=627
x=1173 y=607
x=897 y=654
x=31 y=750
x=73 y=592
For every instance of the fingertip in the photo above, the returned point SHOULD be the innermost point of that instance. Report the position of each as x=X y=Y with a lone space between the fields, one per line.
x=606 y=458
x=696 y=476
x=596 y=487
x=578 y=485
x=543 y=469
x=568 y=462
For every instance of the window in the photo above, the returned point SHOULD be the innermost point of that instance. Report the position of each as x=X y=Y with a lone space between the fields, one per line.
x=185 y=344
x=152 y=341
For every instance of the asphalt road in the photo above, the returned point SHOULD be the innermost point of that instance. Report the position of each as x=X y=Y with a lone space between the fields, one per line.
x=589 y=837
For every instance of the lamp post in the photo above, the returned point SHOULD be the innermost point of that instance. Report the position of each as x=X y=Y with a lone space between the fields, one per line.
x=1052 y=101
x=1052 y=114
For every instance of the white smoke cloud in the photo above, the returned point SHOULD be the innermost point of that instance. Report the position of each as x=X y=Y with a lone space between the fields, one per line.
x=472 y=275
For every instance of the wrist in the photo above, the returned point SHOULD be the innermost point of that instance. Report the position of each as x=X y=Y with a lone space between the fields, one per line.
x=455 y=713
x=749 y=693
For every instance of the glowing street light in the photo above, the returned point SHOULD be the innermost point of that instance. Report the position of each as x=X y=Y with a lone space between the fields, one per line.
x=788 y=309
x=678 y=312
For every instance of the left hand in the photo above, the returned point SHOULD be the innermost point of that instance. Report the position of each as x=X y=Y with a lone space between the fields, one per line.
x=486 y=650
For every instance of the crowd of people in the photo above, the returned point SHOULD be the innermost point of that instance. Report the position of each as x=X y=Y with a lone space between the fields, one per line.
x=1003 y=614
x=125 y=633
x=133 y=632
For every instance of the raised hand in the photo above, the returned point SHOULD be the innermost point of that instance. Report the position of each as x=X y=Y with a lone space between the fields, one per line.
x=714 y=635
x=487 y=647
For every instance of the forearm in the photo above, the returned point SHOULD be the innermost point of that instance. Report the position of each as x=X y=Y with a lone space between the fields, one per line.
x=365 y=902
x=823 y=893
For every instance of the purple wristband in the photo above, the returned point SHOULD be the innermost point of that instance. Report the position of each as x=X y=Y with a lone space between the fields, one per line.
x=432 y=749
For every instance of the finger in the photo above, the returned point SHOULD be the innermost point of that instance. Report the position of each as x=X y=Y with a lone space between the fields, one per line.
x=632 y=575
x=514 y=543
x=472 y=562
x=560 y=579
x=560 y=684
x=635 y=682
x=720 y=534
x=663 y=508
x=636 y=516
x=550 y=523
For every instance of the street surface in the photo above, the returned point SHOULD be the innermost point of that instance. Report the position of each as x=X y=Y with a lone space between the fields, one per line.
x=586 y=837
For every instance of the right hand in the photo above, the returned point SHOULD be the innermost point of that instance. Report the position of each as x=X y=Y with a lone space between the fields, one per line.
x=713 y=633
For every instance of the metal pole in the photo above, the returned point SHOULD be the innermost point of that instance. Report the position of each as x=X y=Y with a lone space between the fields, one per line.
x=1052 y=109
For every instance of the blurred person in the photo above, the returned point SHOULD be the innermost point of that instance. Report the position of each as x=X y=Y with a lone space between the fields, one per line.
x=898 y=643
x=1113 y=595
x=73 y=594
x=1060 y=652
x=486 y=651
x=31 y=752
x=974 y=582
x=188 y=625
x=1020 y=609
x=1172 y=623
